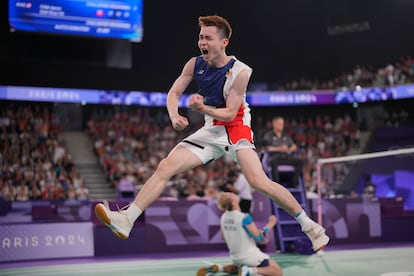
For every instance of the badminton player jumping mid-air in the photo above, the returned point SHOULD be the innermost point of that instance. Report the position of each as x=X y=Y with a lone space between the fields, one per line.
x=222 y=81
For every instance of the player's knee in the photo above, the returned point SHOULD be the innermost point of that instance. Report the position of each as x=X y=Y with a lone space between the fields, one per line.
x=278 y=271
x=165 y=167
x=261 y=184
x=254 y=180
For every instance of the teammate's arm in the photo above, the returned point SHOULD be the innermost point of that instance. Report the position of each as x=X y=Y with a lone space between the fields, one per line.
x=256 y=233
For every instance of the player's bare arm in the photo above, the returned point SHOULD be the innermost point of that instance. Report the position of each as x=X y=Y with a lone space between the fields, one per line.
x=179 y=122
x=272 y=222
x=233 y=102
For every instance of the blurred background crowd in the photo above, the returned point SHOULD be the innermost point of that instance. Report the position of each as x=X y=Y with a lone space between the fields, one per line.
x=129 y=142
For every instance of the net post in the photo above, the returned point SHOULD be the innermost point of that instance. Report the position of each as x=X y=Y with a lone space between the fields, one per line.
x=318 y=181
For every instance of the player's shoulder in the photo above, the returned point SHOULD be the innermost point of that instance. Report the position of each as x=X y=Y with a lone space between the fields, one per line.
x=240 y=66
x=241 y=63
x=190 y=65
x=192 y=59
x=247 y=219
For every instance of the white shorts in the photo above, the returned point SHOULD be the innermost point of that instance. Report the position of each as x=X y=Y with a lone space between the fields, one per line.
x=211 y=143
x=253 y=259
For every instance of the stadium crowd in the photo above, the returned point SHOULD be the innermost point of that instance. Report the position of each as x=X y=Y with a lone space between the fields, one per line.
x=35 y=164
x=396 y=73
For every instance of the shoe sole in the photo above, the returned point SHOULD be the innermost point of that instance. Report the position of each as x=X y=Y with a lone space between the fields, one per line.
x=204 y=270
x=324 y=242
x=104 y=219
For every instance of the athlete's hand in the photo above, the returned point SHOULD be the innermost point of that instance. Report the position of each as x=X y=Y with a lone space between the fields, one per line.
x=196 y=102
x=179 y=122
x=272 y=221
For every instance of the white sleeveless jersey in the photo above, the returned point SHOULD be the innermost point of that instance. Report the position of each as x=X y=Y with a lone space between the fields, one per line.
x=242 y=247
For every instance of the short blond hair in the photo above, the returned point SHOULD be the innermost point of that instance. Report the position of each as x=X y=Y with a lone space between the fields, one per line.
x=224 y=202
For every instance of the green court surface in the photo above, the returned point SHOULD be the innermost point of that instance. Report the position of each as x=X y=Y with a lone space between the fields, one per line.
x=390 y=261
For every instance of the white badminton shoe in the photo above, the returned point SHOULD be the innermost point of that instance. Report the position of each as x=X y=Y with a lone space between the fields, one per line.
x=117 y=221
x=316 y=234
x=244 y=271
x=208 y=270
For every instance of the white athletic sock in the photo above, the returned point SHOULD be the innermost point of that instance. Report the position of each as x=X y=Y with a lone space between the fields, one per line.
x=133 y=212
x=253 y=271
x=302 y=218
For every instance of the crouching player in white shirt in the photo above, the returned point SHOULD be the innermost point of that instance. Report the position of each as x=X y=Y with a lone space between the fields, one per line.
x=241 y=235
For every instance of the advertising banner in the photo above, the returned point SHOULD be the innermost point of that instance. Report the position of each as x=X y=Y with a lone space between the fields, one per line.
x=46 y=241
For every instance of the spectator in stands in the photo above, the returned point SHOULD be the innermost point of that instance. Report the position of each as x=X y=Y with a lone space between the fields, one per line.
x=77 y=179
x=82 y=192
x=46 y=191
x=58 y=152
x=369 y=189
x=71 y=192
x=228 y=184
x=9 y=192
x=22 y=193
x=35 y=192
x=34 y=189
x=281 y=149
x=58 y=192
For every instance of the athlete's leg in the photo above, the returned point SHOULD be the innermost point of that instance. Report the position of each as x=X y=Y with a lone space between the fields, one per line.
x=180 y=159
x=230 y=269
x=121 y=222
x=273 y=269
x=268 y=267
x=252 y=168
